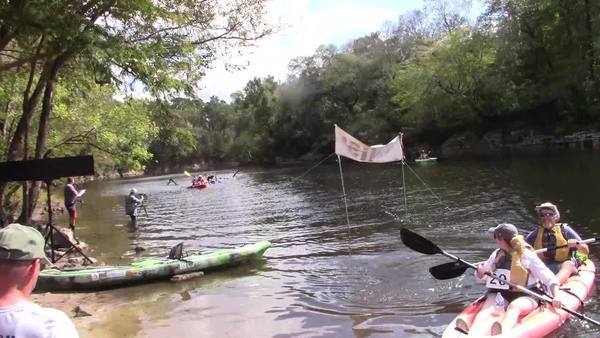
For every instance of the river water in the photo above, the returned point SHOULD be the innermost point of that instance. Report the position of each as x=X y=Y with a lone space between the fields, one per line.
x=323 y=277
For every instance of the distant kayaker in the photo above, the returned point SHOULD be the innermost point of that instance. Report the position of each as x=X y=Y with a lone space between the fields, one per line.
x=198 y=180
x=132 y=203
x=550 y=234
x=71 y=196
x=516 y=261
x=21 y=256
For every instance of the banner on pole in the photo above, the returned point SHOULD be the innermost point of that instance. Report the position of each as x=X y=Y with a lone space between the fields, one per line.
x=348 y=146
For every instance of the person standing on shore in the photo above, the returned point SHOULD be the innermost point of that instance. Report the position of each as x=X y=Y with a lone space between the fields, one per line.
x=71 y=196
x=21 y=254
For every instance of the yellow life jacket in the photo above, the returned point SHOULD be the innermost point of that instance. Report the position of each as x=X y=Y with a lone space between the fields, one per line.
x=518 y=274
x=552 y=238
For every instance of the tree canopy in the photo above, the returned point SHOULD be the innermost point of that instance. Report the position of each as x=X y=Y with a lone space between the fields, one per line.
x=68 y=68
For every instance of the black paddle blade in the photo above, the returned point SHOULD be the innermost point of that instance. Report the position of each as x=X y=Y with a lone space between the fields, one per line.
x=448 y=270
x=418 y=243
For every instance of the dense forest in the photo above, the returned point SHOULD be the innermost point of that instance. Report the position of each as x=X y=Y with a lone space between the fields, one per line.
x=68 y=70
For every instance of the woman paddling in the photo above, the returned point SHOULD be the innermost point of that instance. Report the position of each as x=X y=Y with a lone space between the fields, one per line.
x=516 y=261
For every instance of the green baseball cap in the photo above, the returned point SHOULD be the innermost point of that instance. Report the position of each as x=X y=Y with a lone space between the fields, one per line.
x=19 y=243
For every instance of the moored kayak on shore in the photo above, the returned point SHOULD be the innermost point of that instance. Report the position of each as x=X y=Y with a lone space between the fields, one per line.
x=541 y=321
x=93 y=278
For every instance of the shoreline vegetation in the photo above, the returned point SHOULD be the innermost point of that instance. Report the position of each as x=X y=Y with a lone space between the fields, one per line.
x=450 y=82
x=460 y=146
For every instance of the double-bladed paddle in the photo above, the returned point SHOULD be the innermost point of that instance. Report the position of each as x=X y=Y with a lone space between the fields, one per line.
x=454 y=269
x=425 y=246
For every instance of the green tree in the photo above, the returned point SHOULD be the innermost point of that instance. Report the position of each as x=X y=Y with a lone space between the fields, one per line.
x=164 y=46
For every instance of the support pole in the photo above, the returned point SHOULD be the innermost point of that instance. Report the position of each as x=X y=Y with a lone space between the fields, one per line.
x=343 y=190
x=404 y=189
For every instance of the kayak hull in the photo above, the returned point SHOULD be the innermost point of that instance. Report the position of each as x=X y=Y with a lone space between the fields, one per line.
x=540 y=322
x=104 y=277
x=198 y=186
x=426 y=160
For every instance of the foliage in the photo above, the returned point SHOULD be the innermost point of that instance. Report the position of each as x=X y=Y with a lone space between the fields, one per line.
x=431 y=74
x=160 y=47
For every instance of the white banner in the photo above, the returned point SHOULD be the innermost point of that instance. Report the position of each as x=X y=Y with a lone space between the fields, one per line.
x=348 y=146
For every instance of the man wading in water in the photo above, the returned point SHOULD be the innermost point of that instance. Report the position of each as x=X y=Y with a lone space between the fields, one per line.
x=132 y=203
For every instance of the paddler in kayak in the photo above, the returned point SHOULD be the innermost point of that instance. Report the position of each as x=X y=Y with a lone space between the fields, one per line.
x=550 y=234
x=516 y=261
x=198 y=181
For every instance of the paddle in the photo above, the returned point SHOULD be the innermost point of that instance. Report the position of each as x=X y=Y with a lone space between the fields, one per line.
x=185 y=172
x=142 y=205
x=453 y=269
x=425 y=246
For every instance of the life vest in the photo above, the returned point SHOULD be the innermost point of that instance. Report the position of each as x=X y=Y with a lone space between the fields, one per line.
x=552 y=238
x=518 y=274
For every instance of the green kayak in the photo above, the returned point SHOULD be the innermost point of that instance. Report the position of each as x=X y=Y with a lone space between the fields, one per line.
x=103 y=277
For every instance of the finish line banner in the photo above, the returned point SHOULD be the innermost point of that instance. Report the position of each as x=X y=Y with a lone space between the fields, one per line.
x=348 y=146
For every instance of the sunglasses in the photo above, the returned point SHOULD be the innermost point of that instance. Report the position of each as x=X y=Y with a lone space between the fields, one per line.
x=547 y=214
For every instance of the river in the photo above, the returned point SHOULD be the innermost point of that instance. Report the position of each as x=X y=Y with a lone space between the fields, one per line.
x=323 y=277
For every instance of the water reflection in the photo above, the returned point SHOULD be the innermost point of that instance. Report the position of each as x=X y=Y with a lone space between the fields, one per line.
x=323 y=277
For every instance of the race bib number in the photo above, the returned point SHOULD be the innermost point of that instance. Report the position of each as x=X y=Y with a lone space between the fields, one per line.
x=500 y=283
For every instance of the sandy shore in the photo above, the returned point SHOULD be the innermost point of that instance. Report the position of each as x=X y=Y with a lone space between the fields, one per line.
x=93 y=303
x=98 y=305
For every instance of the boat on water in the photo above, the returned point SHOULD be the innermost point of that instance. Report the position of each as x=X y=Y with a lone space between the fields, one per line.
x=426 y=160
x=541 y=321
x=199 y=186
x=104 y=277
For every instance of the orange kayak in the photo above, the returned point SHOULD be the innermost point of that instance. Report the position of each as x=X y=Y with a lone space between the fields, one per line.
x=541 y=321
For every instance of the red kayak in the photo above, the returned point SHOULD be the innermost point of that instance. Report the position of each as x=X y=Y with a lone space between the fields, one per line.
x=198 y=186
x=541 y=321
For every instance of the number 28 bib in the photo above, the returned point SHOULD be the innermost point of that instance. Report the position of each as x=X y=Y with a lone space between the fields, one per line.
x=500 y=283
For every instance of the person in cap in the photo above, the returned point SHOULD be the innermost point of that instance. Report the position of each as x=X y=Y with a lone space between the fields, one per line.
x=132 y=203
x=550 y=234
x=21 y=254
x=513 y=260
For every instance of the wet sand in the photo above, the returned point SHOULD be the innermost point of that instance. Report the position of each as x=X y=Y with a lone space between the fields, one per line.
x=98 y=305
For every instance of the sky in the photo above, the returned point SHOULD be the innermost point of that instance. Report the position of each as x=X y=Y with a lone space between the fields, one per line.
x=307 y=24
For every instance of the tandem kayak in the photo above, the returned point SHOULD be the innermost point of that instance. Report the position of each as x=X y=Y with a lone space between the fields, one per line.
x=199 y=186
x=541 y=321
x=103 y=277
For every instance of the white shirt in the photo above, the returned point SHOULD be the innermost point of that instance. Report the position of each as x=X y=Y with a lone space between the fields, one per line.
x=530 y=261
x=29 y=320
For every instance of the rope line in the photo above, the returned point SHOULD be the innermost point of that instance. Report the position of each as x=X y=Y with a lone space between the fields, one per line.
x=313 y=167
x=426 y=186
